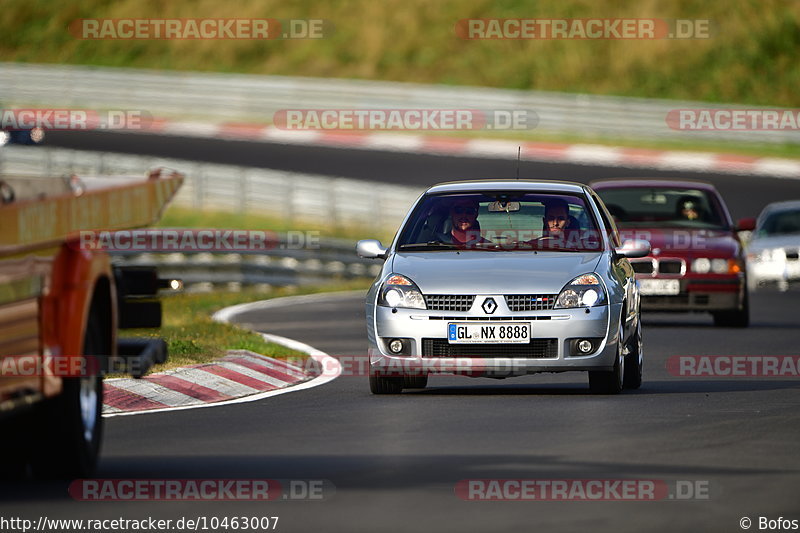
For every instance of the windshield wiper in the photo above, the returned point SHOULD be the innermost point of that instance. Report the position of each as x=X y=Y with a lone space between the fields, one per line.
x=429 y=244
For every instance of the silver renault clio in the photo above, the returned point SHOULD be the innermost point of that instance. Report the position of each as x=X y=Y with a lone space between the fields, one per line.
x=500 y=278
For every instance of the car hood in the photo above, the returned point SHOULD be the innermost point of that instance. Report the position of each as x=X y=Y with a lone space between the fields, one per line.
x=778 y=241
x=685 y=242
x=493 y=272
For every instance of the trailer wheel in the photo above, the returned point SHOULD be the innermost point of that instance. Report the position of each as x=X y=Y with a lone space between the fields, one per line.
x=72 y=423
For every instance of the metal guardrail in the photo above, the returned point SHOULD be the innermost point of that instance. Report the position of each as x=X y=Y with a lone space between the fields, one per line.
x=232 y=97
x=309 y=198
x=330 y=262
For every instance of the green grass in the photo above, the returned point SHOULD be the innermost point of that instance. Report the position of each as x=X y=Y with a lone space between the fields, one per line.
x=751 y=57
x=193 y=337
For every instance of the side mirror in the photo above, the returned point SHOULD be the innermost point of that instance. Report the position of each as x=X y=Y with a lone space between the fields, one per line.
x=371 y=249
x=746 y=224
x=633 y=249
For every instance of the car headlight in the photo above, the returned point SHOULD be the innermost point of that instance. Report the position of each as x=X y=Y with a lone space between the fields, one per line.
x=584 y=291
x=701 y=265
x=4 y=137
x=771 y=254
x=719 y=266
x=704 y=265
x=399 y=291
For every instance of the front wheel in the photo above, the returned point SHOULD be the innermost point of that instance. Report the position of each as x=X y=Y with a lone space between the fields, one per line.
x=380 y=384
x=609 y=382
x=415 y=382
x=734 y=319
x=72 y=423
x=634 y=359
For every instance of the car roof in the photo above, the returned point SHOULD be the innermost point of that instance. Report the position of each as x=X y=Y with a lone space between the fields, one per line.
x=787 y=205
x=510 y=184
x=620 y=183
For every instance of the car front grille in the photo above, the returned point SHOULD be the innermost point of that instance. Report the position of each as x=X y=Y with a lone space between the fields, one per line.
x=491 y=318
x=535 y=349
x=662 y=266
x=670 y=266
x=642 y=267
x=449 y=302
x=792 y=255
x=530 y=302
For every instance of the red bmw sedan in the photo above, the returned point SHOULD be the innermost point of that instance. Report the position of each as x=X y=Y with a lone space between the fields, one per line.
x=697 y=263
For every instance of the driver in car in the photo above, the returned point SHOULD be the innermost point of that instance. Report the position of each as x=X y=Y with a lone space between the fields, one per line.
x=466 y=230
x=688 y=208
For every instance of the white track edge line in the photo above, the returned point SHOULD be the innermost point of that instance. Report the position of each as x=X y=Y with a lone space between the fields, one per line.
x=333 y=368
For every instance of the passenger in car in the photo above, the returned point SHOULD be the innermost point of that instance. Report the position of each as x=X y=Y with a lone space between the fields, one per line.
x=557 y=221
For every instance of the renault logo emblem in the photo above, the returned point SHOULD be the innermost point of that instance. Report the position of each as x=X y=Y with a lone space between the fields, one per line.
x=489 y=306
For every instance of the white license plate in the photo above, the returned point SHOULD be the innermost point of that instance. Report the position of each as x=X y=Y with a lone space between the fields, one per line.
x=659 y=286
x=488 y=333
x=793 y=270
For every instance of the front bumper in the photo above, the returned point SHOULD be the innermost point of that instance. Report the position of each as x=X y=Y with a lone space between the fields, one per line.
x=723 y=293
x=768 y=272
x=555 y=328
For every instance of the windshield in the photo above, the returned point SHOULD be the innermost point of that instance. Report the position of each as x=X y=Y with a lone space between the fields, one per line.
x=781 y=223
x=663 y=207
x=501 y=221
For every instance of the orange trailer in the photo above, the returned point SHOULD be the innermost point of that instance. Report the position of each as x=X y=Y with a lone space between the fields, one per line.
x=59 y=313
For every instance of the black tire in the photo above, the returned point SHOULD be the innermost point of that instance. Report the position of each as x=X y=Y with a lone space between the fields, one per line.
x=415 y=382
x=379 y=384
x=734 y=319
x=15 y=447
x=634 y=359
x=71 y=425
x=609 y=382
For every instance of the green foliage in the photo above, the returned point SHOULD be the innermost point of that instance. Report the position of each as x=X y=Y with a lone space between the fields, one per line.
x=751 y=57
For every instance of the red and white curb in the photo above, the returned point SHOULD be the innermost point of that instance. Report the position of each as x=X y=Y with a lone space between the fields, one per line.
x=240 y=376
x=586 y=154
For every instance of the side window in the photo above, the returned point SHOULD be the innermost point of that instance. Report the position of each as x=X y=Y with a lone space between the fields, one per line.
x=608 y=221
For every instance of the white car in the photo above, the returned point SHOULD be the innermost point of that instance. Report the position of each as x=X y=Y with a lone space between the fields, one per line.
x=773 y=253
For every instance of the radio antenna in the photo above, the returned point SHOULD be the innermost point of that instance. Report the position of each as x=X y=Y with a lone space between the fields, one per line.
x=519 y=152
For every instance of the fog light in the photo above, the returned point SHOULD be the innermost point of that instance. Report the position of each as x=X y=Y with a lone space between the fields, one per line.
x=584 y=346
x=396 y=345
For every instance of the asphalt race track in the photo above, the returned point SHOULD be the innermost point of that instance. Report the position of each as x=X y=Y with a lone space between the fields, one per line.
x=395 y=461
x=746 y=195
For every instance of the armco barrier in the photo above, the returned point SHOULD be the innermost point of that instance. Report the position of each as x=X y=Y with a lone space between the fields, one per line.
x=253 y=98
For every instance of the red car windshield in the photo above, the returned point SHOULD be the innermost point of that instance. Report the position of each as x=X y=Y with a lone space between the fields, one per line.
x=501 y=221
x=663 y=207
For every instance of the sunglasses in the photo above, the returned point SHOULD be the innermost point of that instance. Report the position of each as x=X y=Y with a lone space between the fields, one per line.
x=464 y=210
